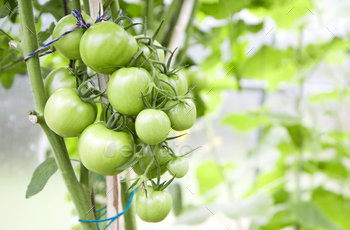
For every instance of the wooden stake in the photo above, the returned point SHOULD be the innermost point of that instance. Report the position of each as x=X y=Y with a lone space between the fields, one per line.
x=114 y=204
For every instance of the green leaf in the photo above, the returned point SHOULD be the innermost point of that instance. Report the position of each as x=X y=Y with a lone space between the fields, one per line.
x=43 y=35
x=55 y=8
x=40 y=176
x=336 y=207
x=209 y=175
x=222 y=9
x=310 y=215
x=5 y=10
x=280 y=220
x=242 y=122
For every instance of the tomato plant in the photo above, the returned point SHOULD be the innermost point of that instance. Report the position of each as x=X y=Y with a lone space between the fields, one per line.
x=183 y=115
x=106 y=46
x=125 y=87
x=67 y=115
x=68 y=46
x=102 y=150
x=147 y=153
x=178 y=81
x=152 y=126
x=59 y=78
x=178 y=167
x=149 y=54
x=153 y=206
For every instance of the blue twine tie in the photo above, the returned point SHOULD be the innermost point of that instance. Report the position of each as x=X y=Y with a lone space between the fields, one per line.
x=80 y=24
x=121 y=15
x=111 y=218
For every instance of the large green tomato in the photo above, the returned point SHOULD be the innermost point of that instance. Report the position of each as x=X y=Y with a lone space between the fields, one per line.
x=194 y=75
x=67 y=115
x=152 y=126
x=178 y=167
x=125 y=87
x=154 y=207
x=59 y=78
x=107 y=44
x=162 y=157
x=182 y=116
x=68 y=45
x=178 y=81
x=148 y=53
x=101 y=150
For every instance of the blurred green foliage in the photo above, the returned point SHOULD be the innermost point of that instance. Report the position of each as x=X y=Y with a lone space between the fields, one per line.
x=233 y=57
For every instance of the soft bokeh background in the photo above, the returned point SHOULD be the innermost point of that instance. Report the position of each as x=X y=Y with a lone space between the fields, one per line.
x=274 y=131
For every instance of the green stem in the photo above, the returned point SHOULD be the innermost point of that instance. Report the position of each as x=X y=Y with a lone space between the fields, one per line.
x=80 y=196
x=11 y=64
x=129 y=216
x=86 y=7
x=3 y=32
x=84 y=176
x=76 y=4
x=149 y=14
x=114 y=9
x=165 y=34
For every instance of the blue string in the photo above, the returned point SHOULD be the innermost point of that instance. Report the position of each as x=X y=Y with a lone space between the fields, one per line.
x=111 y=218
x=121 y=15
x=80 y=24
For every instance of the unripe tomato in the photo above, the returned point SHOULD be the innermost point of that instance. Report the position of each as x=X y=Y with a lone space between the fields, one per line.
x=125 y=87
x=162 y=157
x=107 y=44
x=59 y=78
x=68 y=45
x=178 y=81
x=67 y=115
x=194 y=75
x=182 y=116
x=178 y=167
x=101 y=150
x=152 y=126
x=148 y=53
x=155 y=207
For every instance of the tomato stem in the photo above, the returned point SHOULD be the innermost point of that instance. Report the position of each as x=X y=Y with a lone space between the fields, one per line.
x=80 y=196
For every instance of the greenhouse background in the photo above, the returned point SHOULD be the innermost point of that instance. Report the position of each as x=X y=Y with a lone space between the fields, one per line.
x=274 y=130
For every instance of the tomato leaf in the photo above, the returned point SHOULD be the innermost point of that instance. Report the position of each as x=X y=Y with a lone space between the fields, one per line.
x=312 y=216
x=5 y=10
x=40 y=176
x=131 y=162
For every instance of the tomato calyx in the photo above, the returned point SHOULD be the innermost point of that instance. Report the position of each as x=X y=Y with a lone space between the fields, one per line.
x=90 y=94
x=111 y=123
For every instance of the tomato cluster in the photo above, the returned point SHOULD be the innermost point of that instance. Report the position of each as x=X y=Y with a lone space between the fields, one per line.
x=143 y=102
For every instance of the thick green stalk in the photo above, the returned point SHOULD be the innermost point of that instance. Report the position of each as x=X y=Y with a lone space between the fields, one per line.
x=79 y=195
x=129 y=216
x=150 y=14
x=76 y=4
x=114 y=9
x=86 y=7
x=168 y=15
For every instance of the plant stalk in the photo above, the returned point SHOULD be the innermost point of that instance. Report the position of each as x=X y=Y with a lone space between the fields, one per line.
x=79 y=195
x=129 y=216
x=114 y=9
x=76 y=4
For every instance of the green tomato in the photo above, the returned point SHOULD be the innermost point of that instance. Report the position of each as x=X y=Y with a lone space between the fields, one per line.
x=101 y=150
x=125 y=87
x=178 y=81
x=67 y=115
x=162 y=157
x=59 y=78
x=68 y=45
x=194 y=75
x=178 y=167
x=154 y=207
x=148 y=53
x=152 y=126
x=107 y=44
x=182 y=116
